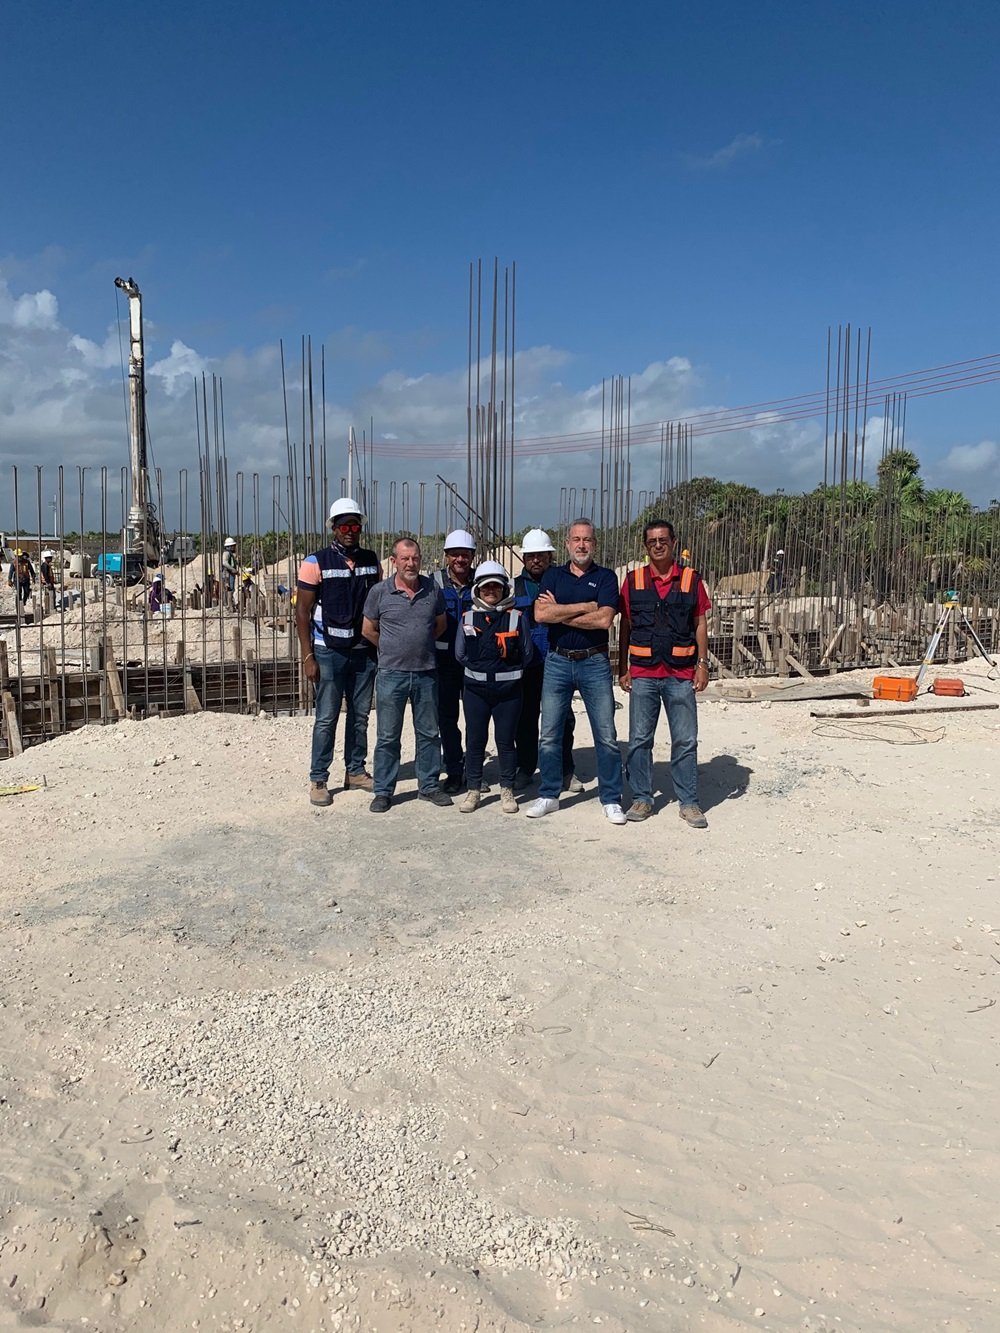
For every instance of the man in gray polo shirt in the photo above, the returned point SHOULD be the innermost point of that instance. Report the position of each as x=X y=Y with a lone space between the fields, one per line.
x=403 y=616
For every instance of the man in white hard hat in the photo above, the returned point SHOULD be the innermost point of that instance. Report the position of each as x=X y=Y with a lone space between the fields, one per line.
x=455 y=582
x=578 y=602
x=230 y=568
x=329 y=608
x=536 y=556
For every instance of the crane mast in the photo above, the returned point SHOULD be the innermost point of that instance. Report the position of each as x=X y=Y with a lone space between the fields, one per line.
x=142 y=533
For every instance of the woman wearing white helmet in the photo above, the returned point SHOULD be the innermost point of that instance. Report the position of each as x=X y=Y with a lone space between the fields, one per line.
x=493 y=646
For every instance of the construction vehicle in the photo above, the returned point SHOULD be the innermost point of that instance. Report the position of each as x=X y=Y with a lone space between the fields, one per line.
x=141 y=540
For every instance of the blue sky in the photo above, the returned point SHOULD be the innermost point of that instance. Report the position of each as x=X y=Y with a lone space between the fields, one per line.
x=691 y=193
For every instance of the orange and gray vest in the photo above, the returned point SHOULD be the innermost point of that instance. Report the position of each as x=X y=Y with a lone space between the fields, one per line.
x=662 y=628
x=493 y=646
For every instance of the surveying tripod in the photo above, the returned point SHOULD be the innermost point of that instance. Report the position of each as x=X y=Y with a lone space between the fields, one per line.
x=952 y=609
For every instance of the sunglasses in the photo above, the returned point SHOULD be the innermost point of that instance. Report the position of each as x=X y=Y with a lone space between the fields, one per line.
x=351 y=524
x=660 y=541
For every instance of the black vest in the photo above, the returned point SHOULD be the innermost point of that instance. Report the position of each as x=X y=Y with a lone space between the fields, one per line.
x=493 y=646
x=661 y=629
x=340 y=605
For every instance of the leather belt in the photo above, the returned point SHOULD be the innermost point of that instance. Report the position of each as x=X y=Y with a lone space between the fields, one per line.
x=579 y=654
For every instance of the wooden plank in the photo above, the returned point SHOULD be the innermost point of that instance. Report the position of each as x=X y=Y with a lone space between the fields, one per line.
x=796 y=665
x=179 y=653
x=734 y=659
x=251 y=680
x=873 y=713
x=723 y=671
x=832 y=645
x=10 y=724
x=4 y=673
x=767 y=657
x=52 y=686
x=114 y=680
x=192 y=703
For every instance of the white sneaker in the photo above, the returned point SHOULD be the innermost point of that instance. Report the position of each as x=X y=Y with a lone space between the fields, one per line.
x=615 y=814
x=544 y=805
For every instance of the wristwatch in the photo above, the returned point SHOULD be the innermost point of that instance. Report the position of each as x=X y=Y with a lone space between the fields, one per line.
x=703 y=661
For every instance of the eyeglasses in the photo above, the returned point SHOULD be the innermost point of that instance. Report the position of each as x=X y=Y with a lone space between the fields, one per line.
x=659 y=541
x=350 y=524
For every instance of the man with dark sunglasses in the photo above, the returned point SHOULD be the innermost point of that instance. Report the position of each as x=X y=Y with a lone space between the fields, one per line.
x=329 y=605
x=663 y=658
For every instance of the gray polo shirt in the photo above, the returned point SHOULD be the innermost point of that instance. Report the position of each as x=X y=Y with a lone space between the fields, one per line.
x=405 y=624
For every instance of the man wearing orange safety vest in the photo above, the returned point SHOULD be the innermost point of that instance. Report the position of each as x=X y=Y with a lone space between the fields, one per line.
x=663 y=658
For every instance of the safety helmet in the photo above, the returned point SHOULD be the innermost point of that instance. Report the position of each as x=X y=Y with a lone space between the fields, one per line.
x=229 y=542
x=19 y=551
x=459 y=540
x=535 y=541
x=47 y=554
x=157 y=578
x=490 y=571
x=344 y=508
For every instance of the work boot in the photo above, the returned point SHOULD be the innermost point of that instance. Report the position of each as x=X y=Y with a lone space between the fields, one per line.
x=319 y=794
x=572 y=783
x=380 y=805
x=453 y=784
x=638 y=811
x=437 y=797
x=691 y=814
x=470 y=804
x=508 y=802
x=360 y=780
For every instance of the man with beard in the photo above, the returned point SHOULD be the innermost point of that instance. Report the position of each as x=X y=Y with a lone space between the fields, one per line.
x=329 y=607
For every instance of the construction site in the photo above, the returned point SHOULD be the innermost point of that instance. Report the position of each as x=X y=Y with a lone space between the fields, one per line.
x=858 y=573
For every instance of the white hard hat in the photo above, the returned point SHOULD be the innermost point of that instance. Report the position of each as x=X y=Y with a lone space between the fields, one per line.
x=535 y=541
x=230 y=541
x=490 y=571
x=47 y=554
x=157 y=578
x=459 y=540
x=779 y=552
x=345 y=506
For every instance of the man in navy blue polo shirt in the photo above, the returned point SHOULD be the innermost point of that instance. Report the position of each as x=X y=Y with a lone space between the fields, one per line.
x=578 y=602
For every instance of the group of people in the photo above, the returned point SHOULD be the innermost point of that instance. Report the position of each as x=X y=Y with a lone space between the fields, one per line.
x=21 y=575
x=469 y=640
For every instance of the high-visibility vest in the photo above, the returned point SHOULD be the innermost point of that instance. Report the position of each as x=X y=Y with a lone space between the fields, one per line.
x=340 y=604
x=493 y=646
x=661 y=629
x=456 y=602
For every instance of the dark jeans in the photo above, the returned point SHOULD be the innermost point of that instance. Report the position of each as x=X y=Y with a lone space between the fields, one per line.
x=451 y=678
x=502 y=703
x=394 y=689
x=23 y=589
x=527 y=727
x=592 y=677
x=351 y=673
x=680 y=704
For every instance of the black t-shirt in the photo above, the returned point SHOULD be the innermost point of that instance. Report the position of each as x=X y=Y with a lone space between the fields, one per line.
x=596 y=585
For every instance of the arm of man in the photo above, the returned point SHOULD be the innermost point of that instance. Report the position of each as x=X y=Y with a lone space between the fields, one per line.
x=440 y=624
x=701 y=639
x=606 y=607
x=550 y=612
x=305 y=602
x=369 y=631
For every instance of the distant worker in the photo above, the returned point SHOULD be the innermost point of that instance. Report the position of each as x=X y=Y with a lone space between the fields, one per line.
x=21 y=575
x=536 y=556
x=663 y=658
x=404 y=615
x=230 y=569
x=455 y=582
x=338 y=660
x=578 y=602
x=493 y=647
x=46 y=574
x=159 y=595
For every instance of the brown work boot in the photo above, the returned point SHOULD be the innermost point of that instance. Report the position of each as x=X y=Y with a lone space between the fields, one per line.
x=508 y=803
x=362 y=781
x=319 y=794
x=691 y=814
x=638 y=811
x=470 y=803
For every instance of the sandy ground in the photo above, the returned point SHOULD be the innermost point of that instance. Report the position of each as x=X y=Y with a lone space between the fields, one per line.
x=266 y=1067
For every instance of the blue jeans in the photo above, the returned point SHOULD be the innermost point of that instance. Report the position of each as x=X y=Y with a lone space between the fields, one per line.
x=678 y=699
x=351 y=673
x=592 y=677
x=394 y=689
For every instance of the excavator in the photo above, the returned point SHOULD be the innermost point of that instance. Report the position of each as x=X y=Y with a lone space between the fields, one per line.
x=142 y=539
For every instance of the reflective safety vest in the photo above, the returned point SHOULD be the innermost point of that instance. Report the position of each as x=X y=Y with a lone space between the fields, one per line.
x=661 y=629
x=493 y=646
x=341 y=601
x=456 y=602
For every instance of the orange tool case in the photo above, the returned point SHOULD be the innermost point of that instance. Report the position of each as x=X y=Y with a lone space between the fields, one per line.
x=903 y=689
x=949 y=685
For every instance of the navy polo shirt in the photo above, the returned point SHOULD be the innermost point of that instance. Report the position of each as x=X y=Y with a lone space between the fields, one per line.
x=597 y=585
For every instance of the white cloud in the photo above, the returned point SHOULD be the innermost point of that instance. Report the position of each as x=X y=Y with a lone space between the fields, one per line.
x=31 y=310
x=971 y=459
x=178 y=369
x=743 y=145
